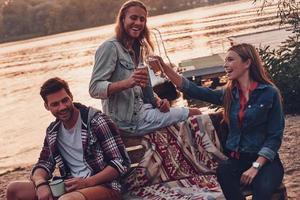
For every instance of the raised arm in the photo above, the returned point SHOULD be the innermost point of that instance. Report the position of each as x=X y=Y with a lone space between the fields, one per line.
x=190 y=88
x=169 y=71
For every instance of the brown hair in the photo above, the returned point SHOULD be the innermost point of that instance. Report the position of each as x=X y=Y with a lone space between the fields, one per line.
x=121 y=34
x=257 y=73
x=53 y=85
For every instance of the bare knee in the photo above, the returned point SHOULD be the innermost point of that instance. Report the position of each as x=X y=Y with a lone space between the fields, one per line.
x=20 y=191
x=13 y=190
x=10 y=191
x=72 y=196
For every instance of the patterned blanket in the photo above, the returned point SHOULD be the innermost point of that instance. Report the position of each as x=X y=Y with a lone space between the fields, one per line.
x=179 y=163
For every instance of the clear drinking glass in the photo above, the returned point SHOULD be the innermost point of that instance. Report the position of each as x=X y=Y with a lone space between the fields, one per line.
x=142 y=66
x=155 y=65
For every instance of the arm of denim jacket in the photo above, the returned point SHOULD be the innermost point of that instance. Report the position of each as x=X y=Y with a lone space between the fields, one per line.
x=111 y=143
x=45 y=161
x=202 y=93
x=105 y=64
x=275 y=128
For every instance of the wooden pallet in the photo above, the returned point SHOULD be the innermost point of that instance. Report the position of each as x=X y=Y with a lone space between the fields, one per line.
x=204 y=67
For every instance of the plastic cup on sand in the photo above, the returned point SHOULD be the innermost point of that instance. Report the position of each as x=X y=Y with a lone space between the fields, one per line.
x=57 y=187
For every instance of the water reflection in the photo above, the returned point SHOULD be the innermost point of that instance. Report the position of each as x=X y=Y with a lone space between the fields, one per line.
x=25 y=65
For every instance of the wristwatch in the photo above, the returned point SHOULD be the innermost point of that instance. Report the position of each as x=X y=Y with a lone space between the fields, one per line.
x=256 y=165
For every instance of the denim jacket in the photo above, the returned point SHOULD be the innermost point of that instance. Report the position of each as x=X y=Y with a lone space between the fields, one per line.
x=263 y=125
x=114 y=63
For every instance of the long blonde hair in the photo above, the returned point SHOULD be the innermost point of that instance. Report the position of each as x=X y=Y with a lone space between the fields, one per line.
x=121 y=34
x=257 y=73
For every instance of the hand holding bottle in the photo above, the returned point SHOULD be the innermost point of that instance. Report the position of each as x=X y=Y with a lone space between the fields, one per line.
x=139 y=77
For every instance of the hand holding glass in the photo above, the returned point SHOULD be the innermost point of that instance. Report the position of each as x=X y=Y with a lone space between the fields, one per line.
x=141 y=75
x=155 y=64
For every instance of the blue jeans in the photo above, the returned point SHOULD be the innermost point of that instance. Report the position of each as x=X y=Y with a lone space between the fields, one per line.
x=264 y=184
x=151 y=119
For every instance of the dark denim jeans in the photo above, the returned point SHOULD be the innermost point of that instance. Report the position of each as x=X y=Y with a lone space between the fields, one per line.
x=264 y=184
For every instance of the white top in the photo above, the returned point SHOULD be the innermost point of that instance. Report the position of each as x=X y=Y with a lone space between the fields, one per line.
x=70 y=147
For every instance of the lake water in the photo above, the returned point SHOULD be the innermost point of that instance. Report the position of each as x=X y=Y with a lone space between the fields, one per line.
x=25 y=65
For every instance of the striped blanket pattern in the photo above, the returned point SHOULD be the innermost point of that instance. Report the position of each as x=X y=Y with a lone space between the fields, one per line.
x=179 y=163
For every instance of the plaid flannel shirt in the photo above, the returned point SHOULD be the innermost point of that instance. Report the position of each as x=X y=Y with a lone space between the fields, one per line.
x=102 y=146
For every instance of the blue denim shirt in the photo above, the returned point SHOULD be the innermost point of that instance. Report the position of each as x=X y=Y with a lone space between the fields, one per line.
x=263 y=124
x=114 y=63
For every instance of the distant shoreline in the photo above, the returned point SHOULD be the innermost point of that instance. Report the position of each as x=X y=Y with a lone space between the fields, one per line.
x=154 y=11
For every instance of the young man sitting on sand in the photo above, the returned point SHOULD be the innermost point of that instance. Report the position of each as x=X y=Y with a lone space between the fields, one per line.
x=85 y=145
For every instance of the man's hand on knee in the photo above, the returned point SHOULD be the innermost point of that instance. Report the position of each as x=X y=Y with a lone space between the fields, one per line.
x=75 y=184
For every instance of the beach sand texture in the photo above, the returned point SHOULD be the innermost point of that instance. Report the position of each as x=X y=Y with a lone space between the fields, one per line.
x=25 y=65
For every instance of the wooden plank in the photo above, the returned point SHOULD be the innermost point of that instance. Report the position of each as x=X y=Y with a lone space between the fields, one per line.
x=135 y=153
x=134 y=148
x=131 y=141
x=204 y=67
x=272 y=38
x=211 y=72
x=204 y=62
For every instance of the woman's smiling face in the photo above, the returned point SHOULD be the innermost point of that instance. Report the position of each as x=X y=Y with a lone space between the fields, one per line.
x=234 y=66
x=134 y=21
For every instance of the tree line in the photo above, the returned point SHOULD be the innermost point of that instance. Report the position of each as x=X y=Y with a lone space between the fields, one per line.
x=20 y=19
x=283 y=63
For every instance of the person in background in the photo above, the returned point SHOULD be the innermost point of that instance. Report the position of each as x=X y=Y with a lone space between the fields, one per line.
x=126 y=92
x=85 y=145
x=253 y=112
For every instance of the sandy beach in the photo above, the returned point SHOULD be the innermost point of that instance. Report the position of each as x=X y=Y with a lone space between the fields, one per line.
x=25 y=65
